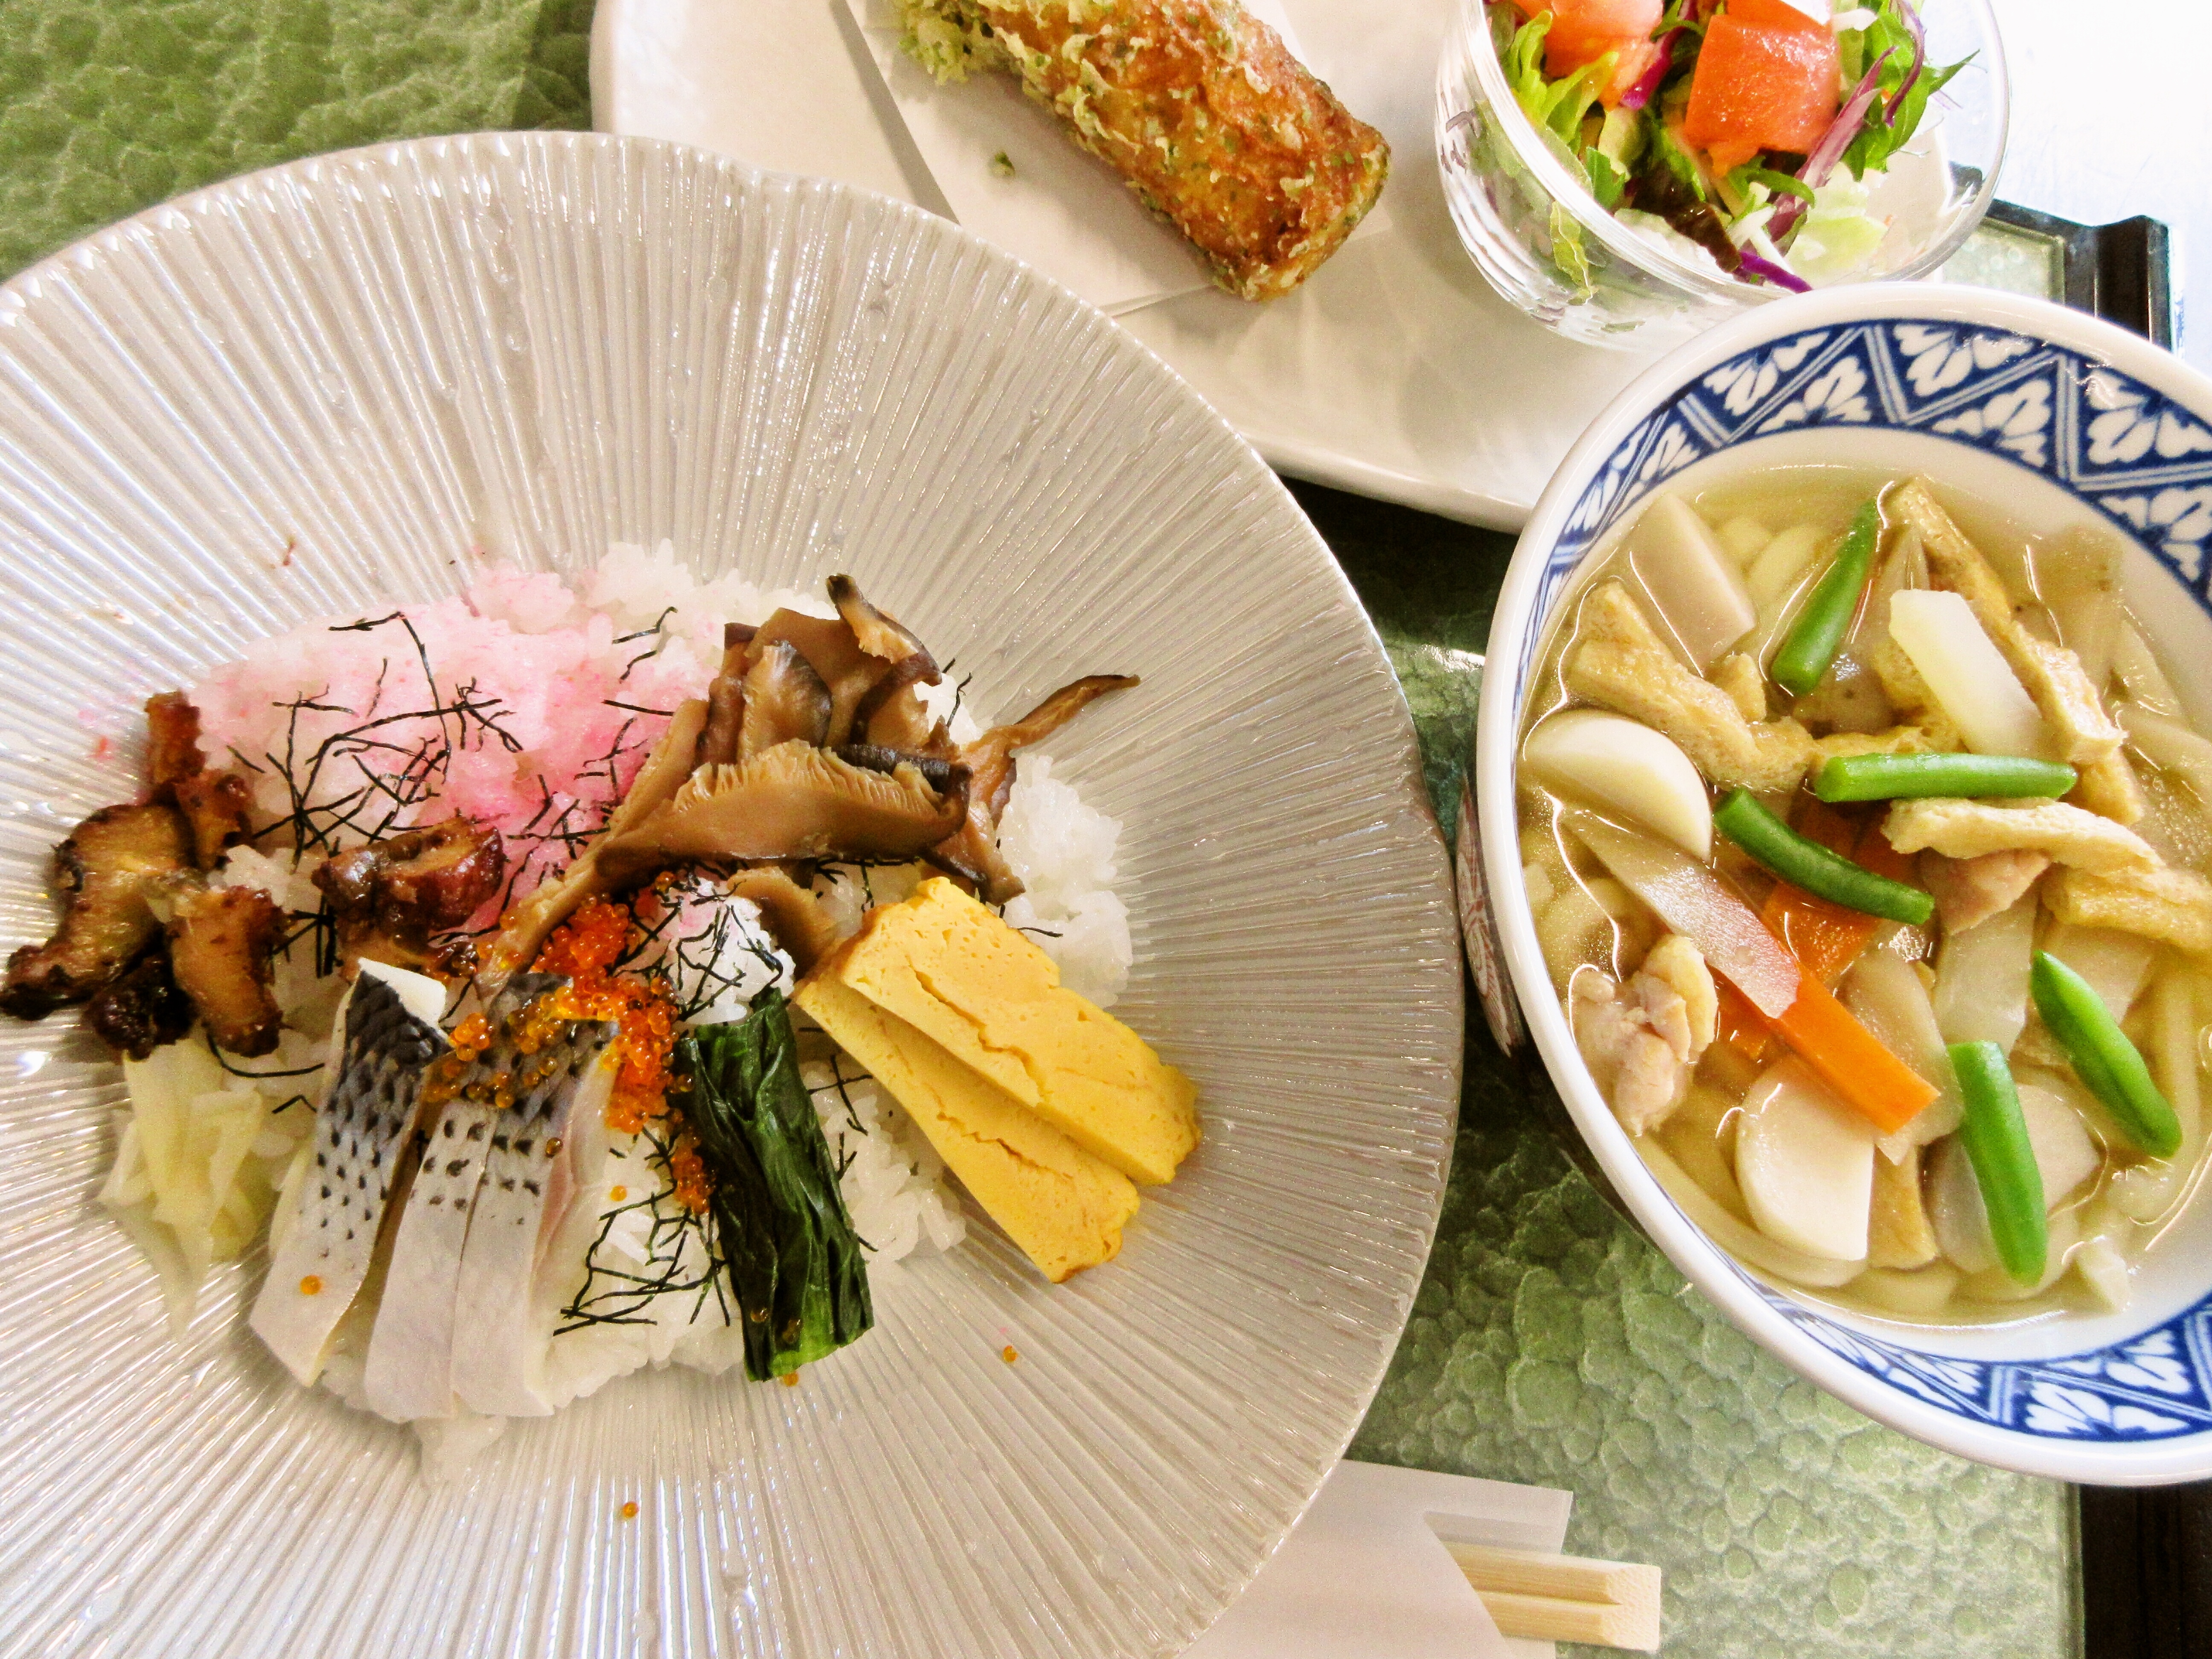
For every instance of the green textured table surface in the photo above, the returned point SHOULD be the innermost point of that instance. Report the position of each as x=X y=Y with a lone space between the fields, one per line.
x=1549 y=1343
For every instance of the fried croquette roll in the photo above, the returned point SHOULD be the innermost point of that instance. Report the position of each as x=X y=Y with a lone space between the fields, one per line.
x=1197 y=105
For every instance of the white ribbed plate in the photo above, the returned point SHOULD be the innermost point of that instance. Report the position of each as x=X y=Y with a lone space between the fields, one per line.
x=536 y=345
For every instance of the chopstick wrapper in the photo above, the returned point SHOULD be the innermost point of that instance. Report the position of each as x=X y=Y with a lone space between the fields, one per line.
x=1366 y=1574
x=1060 y=210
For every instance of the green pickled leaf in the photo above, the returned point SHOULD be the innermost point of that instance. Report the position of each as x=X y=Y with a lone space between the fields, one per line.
x=797 y=1270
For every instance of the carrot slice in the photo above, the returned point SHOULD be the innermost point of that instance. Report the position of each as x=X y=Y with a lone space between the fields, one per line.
x=1850 y=1060
x=1824 y=937
x=1759 y=86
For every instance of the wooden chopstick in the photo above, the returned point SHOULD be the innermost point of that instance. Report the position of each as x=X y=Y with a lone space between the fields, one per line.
x=1565 y=1598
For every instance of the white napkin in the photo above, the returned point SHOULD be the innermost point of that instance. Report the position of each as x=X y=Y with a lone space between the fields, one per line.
x=1061 y=210
x=1365 y=1574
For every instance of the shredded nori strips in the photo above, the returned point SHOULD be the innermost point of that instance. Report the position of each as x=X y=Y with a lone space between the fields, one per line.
x=796 y=1267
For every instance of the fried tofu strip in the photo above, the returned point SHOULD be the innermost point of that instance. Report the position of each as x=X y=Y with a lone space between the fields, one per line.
x=2089 y=737
x=1974 y=829
x=1620 y=662
x=1197 y=105
x=2171 y=906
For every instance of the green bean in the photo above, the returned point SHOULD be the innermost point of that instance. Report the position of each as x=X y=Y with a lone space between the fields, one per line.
x=1995 y=1135
x=1818 y=633
x=1909 y=777
x=2110 y=1066
x=1808 y=865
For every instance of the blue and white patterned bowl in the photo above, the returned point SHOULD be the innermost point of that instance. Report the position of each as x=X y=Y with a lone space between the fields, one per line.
x=2060 y=418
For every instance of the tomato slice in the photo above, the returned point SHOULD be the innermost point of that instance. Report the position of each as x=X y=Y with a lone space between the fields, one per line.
x=1759 y=86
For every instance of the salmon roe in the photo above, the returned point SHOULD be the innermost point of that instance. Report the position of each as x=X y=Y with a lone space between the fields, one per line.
x=693 y=1184
x=584 y=951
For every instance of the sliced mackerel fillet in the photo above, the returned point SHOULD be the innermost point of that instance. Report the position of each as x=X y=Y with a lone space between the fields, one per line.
x=499 y=1365
x=386 y=1035
x=410 y=1370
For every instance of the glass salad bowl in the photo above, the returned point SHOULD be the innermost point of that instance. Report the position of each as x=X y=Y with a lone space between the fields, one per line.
x=1530 y=215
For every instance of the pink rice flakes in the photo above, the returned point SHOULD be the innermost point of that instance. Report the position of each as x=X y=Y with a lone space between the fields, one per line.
x=528 y=682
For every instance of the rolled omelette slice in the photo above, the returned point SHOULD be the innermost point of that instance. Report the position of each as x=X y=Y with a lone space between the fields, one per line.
x=1197 y=105
x=958 y=974
x=1063 y=1207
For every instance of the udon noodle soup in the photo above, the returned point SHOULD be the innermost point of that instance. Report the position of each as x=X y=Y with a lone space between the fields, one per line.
x=1865 y=838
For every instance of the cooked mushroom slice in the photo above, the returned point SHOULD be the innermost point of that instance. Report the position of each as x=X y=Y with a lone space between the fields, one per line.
x=217 y=806
x=389 y=897
x=220 y=943
x=785 y=699
x=793 y=801
x=524 y=930
x=138 y=1012
x=105 y=871
x=939 y=773
x=828 y=644
x=725 y=708
x=793 y=914
x=172 y=741
x=880 y=636
x=893 y=716
x=973 y=852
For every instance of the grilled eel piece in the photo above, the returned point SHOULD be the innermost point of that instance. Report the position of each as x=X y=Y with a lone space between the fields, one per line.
x=1197 y=105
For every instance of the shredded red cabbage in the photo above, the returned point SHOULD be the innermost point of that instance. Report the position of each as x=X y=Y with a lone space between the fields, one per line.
x=1647 y=84
x=1767 y=272
x=1919 y=57
x=1830 y=150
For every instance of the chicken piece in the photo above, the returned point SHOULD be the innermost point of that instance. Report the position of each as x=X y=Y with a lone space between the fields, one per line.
x=139 y=1012
x=2169 y=905
x=1641 y=1041
x=217 y=806
x=220 y=940
x=1970 y=829
x=1745 y=682
x=172 y=742
x=1969 y=891
x=107 y=870
x=2087 y=735
x=1899 y=1231
x=389 y=897
x=1620 y=662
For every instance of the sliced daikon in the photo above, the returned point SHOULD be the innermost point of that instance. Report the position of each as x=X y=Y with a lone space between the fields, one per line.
x=1805 y=1161
x=1884 y=992
x=2170 y=747
x=1996 y=1285
x=1981 y=978
x=2058 y=1134
x=1690 y=580
x=1968 y=675
x=1691 y=899
x=2142 y=678
x=1625 y=766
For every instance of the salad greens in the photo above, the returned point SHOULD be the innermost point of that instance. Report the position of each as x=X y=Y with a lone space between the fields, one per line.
x=795 y=1265
x=1780 y=217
